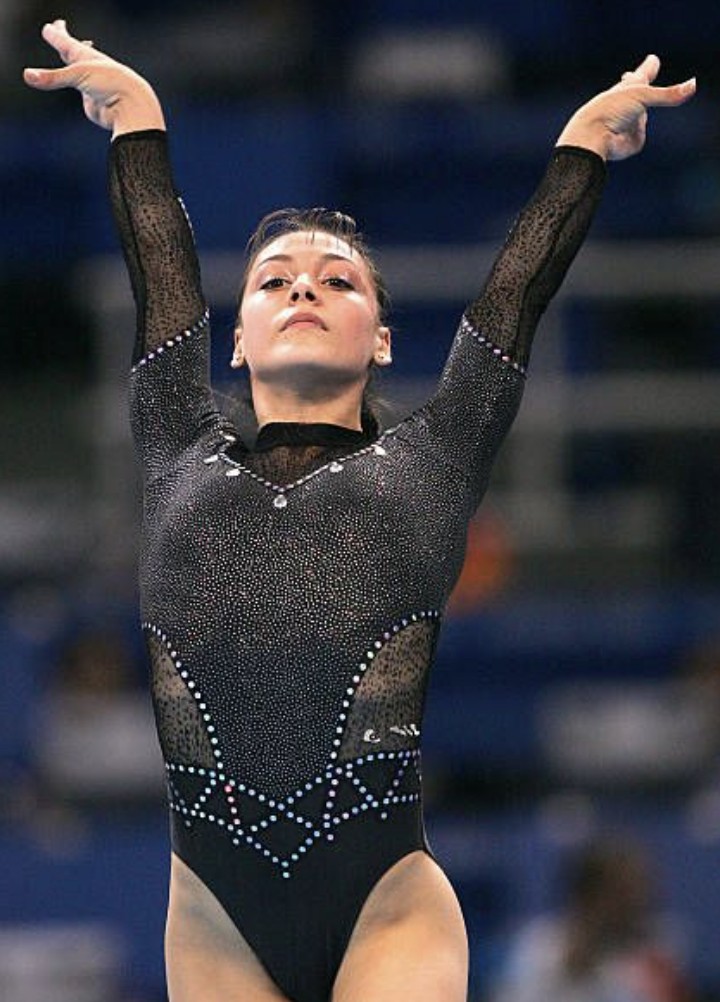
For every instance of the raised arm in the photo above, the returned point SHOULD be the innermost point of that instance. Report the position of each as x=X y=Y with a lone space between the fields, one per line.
x=549 y=232
x=171 y=399
x=155 y=233
x=480 y=387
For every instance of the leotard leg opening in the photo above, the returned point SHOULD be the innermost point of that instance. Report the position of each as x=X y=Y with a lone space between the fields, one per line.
x=299 y=928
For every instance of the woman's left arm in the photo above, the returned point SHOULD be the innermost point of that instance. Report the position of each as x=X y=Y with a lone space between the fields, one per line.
x=548 y=234
x=481 y=384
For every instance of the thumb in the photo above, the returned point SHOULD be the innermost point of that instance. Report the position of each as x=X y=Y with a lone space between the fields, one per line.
x=67 y=76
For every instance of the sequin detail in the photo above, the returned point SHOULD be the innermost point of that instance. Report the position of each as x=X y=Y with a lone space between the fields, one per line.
x=281 y=491
x=172 y=342
x=283 y=829
x=496 y=350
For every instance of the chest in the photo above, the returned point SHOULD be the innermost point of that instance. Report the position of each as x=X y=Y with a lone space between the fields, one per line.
x=352 y=527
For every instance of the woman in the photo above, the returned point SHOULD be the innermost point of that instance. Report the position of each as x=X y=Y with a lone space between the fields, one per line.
x=292 y=591
x=609 y=940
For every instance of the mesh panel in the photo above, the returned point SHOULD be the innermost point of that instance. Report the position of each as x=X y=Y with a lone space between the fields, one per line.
x=388 y=704
x=540 y=248
x=156 y=237
x=285 y=464
x=182 y=734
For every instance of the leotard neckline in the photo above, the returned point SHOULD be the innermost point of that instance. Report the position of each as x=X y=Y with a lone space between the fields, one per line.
x=308 y=433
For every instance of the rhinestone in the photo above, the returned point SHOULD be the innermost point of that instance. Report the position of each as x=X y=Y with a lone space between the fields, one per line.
x=280 y=501
x=234 y=472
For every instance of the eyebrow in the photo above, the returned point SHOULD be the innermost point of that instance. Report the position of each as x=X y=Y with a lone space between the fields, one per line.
x=289 y=257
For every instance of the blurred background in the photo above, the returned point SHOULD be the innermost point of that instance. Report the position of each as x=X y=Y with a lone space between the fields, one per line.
x=573 y=735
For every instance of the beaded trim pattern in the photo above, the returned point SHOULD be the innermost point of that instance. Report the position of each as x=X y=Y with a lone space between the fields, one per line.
x=468 y=328
x=173 y=342
x=281 y=491
x=222 y=800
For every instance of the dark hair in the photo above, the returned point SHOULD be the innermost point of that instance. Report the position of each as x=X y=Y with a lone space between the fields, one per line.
x=338 y=224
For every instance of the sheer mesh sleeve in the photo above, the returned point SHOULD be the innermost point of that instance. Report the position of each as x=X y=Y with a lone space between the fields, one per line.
x=171 y=402
x=538 y=252
x=480 y=389
x=156 y=239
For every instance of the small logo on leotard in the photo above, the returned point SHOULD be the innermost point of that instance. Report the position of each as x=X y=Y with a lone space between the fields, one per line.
x=404 y=730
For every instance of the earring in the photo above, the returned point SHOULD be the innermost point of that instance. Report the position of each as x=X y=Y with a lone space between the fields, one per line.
x=237 y=360
x=382 y=358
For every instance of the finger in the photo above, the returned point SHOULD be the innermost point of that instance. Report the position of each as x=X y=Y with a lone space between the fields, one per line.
x=69 y=48
x=648 y=68
x=68 y=76
x=645 y=73
x=655 y=97
x=55 y=33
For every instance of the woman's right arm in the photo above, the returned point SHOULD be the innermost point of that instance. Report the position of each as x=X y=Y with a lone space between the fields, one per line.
x=154 y=230
x=157 y=243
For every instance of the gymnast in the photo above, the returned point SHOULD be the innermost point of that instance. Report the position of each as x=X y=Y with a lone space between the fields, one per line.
x=292 y=587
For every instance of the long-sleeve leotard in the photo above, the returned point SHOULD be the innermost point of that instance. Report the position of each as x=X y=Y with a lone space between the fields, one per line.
x=292 y=596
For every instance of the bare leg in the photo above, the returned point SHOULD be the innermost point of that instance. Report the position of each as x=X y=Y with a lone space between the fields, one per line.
x=409 y=944
x=206 y=956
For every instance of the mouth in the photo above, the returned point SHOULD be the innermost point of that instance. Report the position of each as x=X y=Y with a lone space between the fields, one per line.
x=311 y=319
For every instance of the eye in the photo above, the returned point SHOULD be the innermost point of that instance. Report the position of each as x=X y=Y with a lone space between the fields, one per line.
x=276 y=282
x=337 y=282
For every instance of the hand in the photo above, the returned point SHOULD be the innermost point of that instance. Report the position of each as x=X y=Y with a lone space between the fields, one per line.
x=114 y=96
x=614 y=122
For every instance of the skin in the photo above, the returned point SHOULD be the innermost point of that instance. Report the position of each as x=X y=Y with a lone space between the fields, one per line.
x=409 y=944
x=302 y=368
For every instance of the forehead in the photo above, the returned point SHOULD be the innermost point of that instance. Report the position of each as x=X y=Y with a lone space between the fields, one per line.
x=309 y=245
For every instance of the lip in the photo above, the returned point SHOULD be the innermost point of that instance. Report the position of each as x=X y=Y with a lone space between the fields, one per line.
x=303 y=318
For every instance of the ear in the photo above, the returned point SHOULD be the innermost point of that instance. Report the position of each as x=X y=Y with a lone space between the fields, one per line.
x=383 y=347
x=238 y=356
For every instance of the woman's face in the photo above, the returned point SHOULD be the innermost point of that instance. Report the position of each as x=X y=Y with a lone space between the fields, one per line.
x=309 y=313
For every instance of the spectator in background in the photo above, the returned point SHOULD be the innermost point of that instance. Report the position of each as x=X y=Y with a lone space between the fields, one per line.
x=95 y=740
x=605 y=946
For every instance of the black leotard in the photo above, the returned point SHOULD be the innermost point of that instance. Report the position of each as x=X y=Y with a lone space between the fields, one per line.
x=292 y=592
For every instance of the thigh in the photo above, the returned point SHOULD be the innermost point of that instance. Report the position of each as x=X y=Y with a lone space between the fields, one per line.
x=409 y=944
x=207 y=958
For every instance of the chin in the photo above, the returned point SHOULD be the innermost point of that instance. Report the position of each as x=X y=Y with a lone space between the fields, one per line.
x=310 y=373
x=310 y=368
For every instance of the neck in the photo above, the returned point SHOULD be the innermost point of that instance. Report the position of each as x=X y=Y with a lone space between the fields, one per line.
x=341 y=406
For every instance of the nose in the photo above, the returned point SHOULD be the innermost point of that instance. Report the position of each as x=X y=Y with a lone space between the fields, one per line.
x=302 y=288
